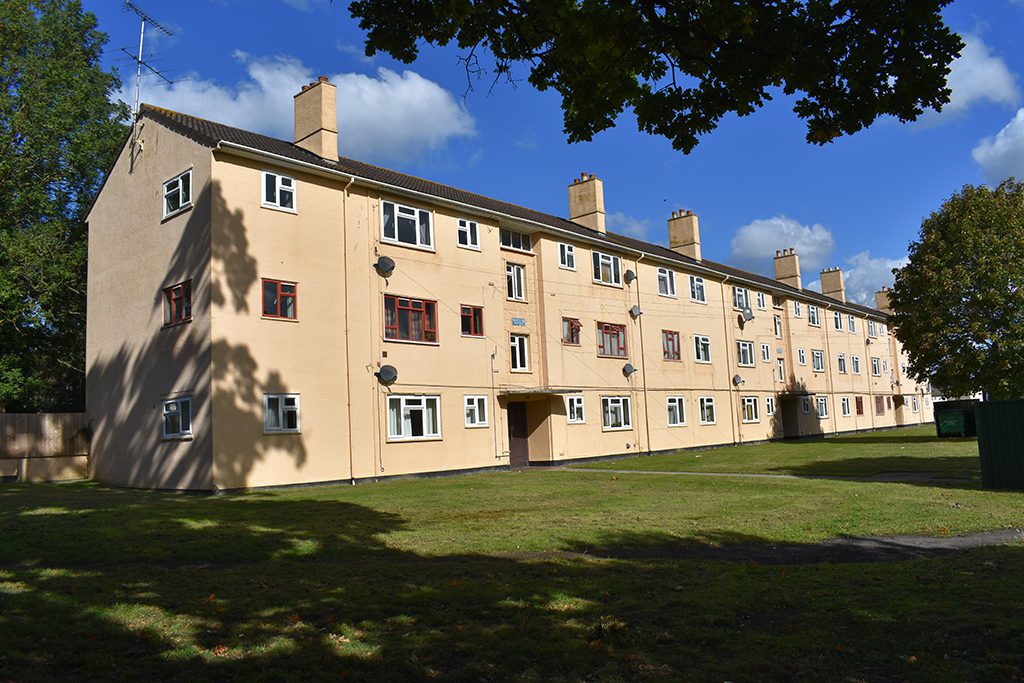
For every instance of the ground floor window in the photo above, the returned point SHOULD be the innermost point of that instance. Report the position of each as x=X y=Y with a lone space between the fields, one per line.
x=914 y=404
x=750 y=413
x=414 y=417
x=845 y=405
x=879 y=405
x=177 y=418
x=859 y=402
x=805 y=405
x=574 y=409
x=476 y=411
x=616 y=412
x=822 y=406
x=676 y=411
x=280 y=413
x=769 y=405
x=707 y=410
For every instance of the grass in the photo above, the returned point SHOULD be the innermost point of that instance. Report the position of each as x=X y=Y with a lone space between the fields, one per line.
x=908 y=450
x=480 y=578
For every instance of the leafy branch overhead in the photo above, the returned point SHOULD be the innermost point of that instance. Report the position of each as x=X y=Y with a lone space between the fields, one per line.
x=682 y=65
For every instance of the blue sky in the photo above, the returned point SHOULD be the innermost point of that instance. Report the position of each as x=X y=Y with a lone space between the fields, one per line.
x=754 y=182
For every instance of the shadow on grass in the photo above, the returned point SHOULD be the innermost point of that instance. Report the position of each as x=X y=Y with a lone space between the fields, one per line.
x=115 y=585
x=952 y=471
x=888 y=437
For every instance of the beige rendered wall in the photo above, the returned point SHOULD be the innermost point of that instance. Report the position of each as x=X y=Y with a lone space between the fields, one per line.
x=132 y=361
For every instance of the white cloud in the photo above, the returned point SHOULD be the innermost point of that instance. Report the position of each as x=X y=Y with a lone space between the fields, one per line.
x=977 y=75
x=867 y=275
x=627 y=225
x=1002 y=155
x=754 y=245
x=385 y=116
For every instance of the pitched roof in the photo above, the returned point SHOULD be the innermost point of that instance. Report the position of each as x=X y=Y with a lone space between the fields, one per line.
x=211 y=133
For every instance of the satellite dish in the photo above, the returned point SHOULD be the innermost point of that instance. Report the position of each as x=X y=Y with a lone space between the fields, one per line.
x=629 y=275
x=635 y=312
x=747 y=313
x=737 y=380
x=868 y=340
x=387 y=374
x=628 y=369
x=385 y=265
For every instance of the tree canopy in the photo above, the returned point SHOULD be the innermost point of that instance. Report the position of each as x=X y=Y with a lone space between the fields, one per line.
x=959 y=302
x=59 y=132
x=682 y=65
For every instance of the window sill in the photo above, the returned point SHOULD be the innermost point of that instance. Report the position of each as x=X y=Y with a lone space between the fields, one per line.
x=521 y=372
x=561 y=267
x=516 y=301
x=698 y=301
x=278 y=432
x=175 y=324
x=617 y=429
x=708 y=424
x=671 y=426
x=575 y=423
x=282 y=209
x=668 y=296
x=411 y=341
x=414 y=439
x=702 y=362
x=406 y=245
x=746 y=365
x=517 y=251
x=466 y=336
x=468 y=247
x=673 y=360
x=279 y=318
x=574 y=345
x=751 y=422
x=607 y=284
x=478 y=426
x=182 y=437
x=177 y=212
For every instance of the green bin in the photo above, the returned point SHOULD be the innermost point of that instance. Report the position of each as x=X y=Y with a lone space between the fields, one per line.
x=952 y=423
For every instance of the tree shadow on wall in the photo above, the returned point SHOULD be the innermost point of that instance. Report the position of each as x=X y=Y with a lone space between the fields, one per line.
x=128 y=383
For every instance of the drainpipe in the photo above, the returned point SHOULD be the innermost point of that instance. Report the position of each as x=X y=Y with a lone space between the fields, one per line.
x=643 y=358
x=348 y=351
x=728 y=364
x=828 y=366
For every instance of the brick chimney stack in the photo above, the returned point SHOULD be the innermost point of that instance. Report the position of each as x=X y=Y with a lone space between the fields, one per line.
x=684 y=234
x=832 y=284
x=316 y=118
x=882 y=301
x=787 y=267
x=586 y=202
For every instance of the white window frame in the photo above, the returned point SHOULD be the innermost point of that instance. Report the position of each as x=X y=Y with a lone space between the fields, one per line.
x=745 y=353
x=766 y=353
x=614 y=264
x=821 y=403
x=625 y=408
x=844 y=406
x=801 y=357
x=797 y=311
x=519 y=349
x=179 y=403
x=417 y=216
x=752 y=403
x=575 y=411
x=404 y=401
x=740 y=298
x=876 y=367
x=704 y=403
x=855 y=364
x=566 y=256
x=679 y=402
x=668 y=277
x=282 y=409
x=281 y=182
x=700 y=342
x=805 y=405
x=523 y=238
x=851 y=324
x=471 y=231
x=872 y=330
x=782 y=369
x=516 y=273
x=817 y=360
x=915 y=404
x=841 y=363
x=769 y=405
x=837 y=320
x=813 y=318
x=777 y=321
x=474 y=407
x=174 y=186
x=697 y=291
x=761 y=302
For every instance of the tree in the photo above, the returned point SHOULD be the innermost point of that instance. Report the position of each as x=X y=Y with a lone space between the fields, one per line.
x=59 y=132
x=959 y=302
x=682 y=65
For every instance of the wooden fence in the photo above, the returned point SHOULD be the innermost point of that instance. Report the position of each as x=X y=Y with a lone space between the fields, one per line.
x=44 y=446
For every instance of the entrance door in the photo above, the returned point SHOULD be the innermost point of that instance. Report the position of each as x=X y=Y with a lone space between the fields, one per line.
x=518 y=435
x=790 y=417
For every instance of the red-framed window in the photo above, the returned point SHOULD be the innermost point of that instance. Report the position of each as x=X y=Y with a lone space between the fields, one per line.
x=409 y=319
x=670 y=344
x=859 y=400
x=571 y=331
x=473 y=321
x=178 y=303
x=611 y=340
x=879 y=405
x=280 y=299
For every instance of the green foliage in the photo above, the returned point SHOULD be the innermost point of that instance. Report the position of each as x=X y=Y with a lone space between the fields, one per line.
x=959 y=302
x=682 y=65
x=59 y=132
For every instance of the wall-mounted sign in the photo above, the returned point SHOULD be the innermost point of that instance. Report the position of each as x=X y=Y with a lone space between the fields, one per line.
x=519 y=322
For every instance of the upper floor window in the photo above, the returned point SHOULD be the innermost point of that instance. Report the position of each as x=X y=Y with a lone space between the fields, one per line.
x=745 y=353
x=520 y=241
x=412 y=418
x=407 y=225
x=280 y=412
x=607 y=269
x=702 y=348
x=812 y=316
x=178 y=193
x=278 y=191
x=818 y=361
x=515 y=281
x=571 y=331
x=666 y=282
x=797 y=311
x=567 y=256
x=472 y=321
x=855 y=364
x=740 y=297
x=279 y=299
x=670 y=344
x=178 y=303
x=761 y=304
x=469 y=234
x=778 y=302
x=611 y=340
x=841 y=363
x=782 y=369
x=801 y=357
x=676 y=411
x=520 y=350
x=871 y=329
x=851 y=323
x=176 y=420
x=777 y=320
x=766 y=353
x=697 y=289
x=876 y=367
x=407 y=319
x=837 y=318
x=882 y=328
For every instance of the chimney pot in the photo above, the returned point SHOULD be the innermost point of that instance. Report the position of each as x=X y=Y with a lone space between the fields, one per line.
x=323 y=79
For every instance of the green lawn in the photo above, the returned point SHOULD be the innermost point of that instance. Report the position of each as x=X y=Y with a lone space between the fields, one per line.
x=909 y=449
x=505 y=576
